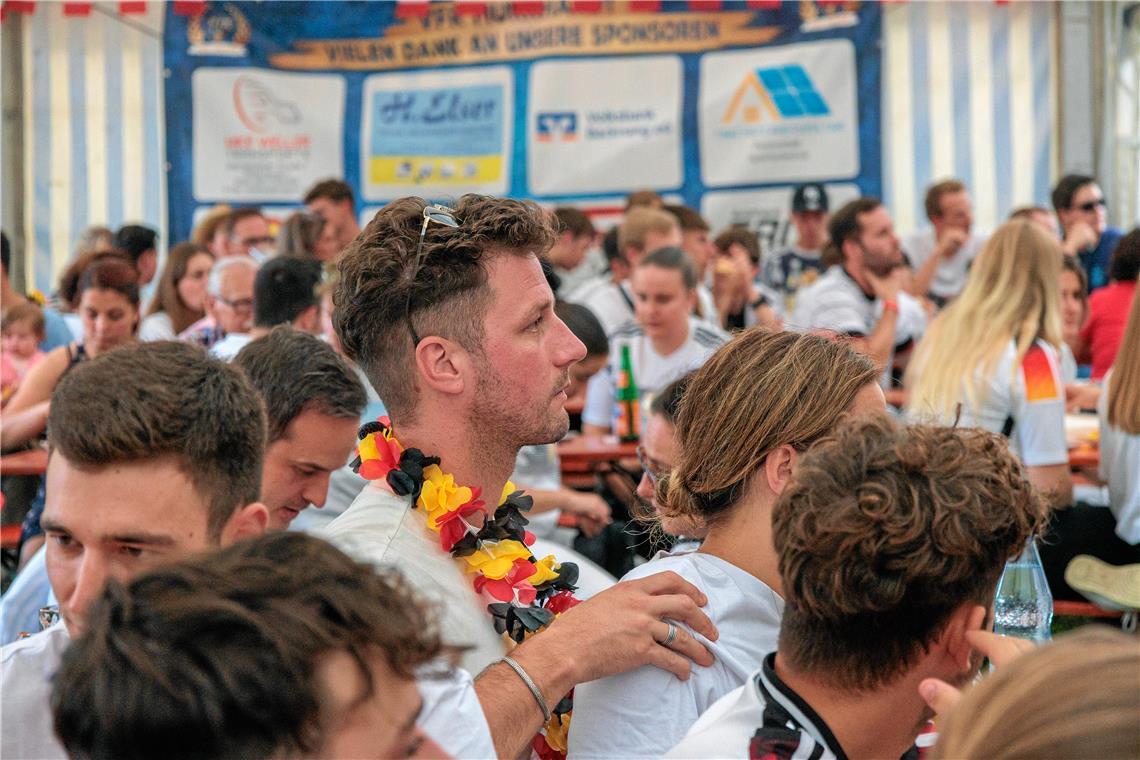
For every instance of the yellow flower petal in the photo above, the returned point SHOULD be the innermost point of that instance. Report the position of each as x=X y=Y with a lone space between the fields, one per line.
x=546 y=569
x=495 y=558
x=508 y=489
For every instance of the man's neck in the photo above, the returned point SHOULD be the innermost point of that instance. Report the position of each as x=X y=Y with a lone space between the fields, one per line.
x=667 y=344
x=860 y=277
x=877 y=724
x=471 y=458
x=743 y=538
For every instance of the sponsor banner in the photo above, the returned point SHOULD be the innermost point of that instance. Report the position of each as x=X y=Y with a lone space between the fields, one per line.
x=264 y=135
x=544 y=101
x=437 y=133
x=779 y=113
x=588 y=117
x=446 y=39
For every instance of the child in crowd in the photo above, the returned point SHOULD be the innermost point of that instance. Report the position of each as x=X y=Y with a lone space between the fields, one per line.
x=23 y=331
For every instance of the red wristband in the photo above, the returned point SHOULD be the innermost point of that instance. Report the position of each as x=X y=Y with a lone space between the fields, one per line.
x=890 y=304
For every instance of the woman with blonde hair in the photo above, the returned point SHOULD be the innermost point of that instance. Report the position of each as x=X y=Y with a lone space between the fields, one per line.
x=181 y=297
x=1077 y=697
x=747 y=415
x=992 y=359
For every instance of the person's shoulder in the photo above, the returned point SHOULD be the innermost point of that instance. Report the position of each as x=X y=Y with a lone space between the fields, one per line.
x=43 y=647
x=1040 y=372
x=707 y=336
x=371 y=525
x=627 y=331
x=682 y=563
x=724 y=730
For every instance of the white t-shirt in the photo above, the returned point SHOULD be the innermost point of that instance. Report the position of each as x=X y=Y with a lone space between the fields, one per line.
x=26 y=669
x=538 y=468
x=836 y=303
x=1031 y=394
x=453 y=715
x=227 y=348
x=380 y=528
x=950 y=275
x=1120 y=468
x=612 y=304
x=644 y=712
x=157 y=326
x=726 y=729
x=651 y=371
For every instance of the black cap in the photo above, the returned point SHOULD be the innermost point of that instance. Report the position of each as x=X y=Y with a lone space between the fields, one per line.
x=809 y=197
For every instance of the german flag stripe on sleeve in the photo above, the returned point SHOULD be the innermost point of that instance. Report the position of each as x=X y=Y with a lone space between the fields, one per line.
x=1040 y=382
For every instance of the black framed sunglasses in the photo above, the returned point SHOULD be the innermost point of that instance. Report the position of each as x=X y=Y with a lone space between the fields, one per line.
x=1092 y=205
x=432 y=213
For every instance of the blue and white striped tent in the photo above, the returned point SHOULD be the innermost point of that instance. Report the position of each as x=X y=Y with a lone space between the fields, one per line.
x=968 y=91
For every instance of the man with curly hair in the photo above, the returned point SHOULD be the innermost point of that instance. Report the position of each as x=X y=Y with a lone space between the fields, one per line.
x=448 y=313
x=891 y=541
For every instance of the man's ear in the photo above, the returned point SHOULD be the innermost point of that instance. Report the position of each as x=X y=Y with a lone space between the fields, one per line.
x=248 y=522
x=443 y=365
x=968 y=617
x=778 y=466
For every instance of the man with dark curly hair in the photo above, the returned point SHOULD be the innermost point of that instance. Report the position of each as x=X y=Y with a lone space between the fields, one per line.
x=891 y=541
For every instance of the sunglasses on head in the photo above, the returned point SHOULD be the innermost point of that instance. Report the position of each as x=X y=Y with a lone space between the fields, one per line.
x=1092 y=205
x=432 y=213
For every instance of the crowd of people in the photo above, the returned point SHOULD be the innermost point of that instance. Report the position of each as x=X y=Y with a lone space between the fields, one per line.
x=309 y=500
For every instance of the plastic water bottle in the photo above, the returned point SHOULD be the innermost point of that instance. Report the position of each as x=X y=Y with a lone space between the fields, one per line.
x=1023 y=606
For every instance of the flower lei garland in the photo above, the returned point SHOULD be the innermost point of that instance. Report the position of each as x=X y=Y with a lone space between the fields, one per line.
x=530 y=592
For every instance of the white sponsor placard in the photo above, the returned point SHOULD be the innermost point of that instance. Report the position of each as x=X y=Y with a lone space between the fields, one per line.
x=602 y=125
x=767 y=212
x=263 y=136
x=775 y=114
x=438 y=134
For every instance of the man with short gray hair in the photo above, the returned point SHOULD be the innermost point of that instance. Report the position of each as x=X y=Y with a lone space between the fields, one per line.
x=229 y=302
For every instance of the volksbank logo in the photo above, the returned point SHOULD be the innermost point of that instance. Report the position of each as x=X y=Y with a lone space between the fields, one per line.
x=782 y=92
x=556 y=126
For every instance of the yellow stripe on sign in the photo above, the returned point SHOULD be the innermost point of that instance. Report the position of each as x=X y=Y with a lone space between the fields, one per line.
x=435 y=170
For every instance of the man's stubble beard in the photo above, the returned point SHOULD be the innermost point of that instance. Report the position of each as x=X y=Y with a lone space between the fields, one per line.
x=503 y=425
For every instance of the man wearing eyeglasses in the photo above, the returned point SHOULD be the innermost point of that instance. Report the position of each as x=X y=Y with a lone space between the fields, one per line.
x=1081 y=209
x=229 y=302
x=448 y=313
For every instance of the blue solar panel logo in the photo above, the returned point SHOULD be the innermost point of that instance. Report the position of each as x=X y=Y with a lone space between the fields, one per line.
x=793 y=92
x=781 y=92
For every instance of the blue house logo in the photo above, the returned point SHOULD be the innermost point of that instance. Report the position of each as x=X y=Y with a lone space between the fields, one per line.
x=782 y=92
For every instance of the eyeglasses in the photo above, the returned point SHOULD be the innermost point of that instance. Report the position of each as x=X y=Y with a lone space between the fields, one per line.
x=653 y=473
x=1092 y=205
x=241 y=304
x=440 y=215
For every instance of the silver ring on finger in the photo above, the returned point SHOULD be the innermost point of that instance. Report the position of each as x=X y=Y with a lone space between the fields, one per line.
x=671 y=636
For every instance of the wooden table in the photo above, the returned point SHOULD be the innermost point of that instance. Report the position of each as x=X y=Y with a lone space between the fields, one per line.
x=581 y=455
x=593 y=449
x=1085 y=455
x=30 y=462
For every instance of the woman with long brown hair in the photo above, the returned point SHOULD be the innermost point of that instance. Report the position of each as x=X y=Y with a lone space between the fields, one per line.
x=181 y=296
x=747 y=415
x=108 y=305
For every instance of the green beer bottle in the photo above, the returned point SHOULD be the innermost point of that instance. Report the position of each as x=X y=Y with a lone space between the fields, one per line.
x=628 y=426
